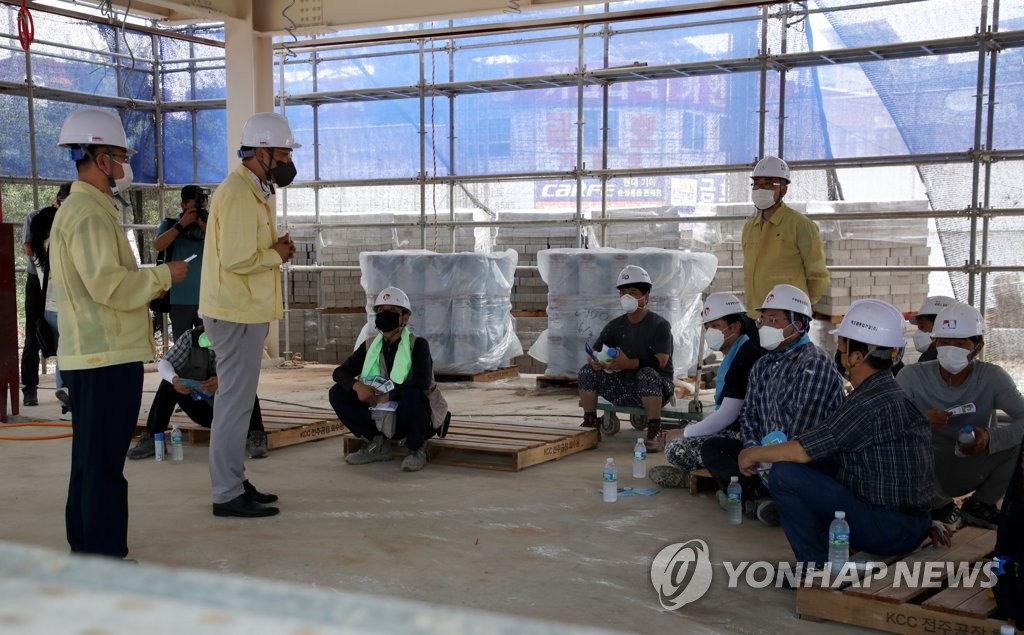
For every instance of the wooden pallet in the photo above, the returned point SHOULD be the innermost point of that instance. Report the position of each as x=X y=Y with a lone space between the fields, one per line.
x=887 y=606
x=486 y=375
x=284 y=426
x=557 y=381
x=701 y=480
x=511 y=447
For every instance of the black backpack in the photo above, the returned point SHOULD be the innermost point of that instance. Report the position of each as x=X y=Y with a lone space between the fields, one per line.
x=1009 y=589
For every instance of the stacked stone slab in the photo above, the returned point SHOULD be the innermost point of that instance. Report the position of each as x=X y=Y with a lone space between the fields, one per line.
x=872 y=243
x=461 y=303
x=582 y=299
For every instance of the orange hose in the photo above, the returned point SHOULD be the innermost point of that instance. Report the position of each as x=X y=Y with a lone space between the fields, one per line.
x=36 y=424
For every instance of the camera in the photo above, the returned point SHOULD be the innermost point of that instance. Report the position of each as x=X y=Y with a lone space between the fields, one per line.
x=202 y=213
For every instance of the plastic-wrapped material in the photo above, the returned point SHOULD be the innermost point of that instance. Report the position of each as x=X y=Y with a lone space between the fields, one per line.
x=461 y=304
x=582 y=298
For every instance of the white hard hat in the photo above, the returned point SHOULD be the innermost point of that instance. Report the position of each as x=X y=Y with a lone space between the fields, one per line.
x=268 y=130
x=958 y=321
x=771 y=167
x=393 y=296
x=787 y=298
x=873 y=322
x=720 y=305
x=631 y=275
x=92 y=126
x=932 y=305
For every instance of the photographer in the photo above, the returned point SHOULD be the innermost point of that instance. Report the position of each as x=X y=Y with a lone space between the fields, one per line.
x=181 y=238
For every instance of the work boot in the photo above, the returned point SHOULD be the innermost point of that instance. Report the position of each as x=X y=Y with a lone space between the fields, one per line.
x=379 y=449
x=590 y=420
x=415 y=460
x=257 y=444
x=65 y=400
x=28 y=396
x=768 y=513
x=144 y=449
x=669 y=476
x=980 y=514
x=655 y=441
x=257 y=496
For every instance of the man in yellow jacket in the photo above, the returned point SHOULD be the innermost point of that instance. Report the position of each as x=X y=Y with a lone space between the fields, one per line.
x=780 y=245
x=105 y=335
x=239 y=295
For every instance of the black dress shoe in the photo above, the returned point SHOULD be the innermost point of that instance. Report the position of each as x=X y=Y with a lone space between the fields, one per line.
x=256 y=495
x=243 y=507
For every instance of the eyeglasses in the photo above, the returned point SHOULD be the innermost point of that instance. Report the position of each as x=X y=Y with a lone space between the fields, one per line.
x=772 y=320
x=765 y=185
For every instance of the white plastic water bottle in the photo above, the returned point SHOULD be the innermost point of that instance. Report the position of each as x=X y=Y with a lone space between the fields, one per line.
x=966 y=437
x=734 y=501
x=158 y=445
x=639 y=459
x=177 y=448
x=610 y=482
x=839 y=543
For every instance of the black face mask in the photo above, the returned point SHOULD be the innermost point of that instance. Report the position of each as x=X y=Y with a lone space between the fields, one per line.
x=283 y=173
x=386 y=321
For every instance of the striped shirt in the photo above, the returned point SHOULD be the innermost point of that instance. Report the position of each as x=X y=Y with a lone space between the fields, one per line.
x=791 y=390
x=882 y=445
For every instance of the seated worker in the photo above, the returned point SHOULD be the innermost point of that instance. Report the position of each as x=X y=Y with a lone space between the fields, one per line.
x=723 y=317
x=191 y=357
x=404 y=359
x=939 y=388
x=925 y=321
x=878 y=442
x=641 y=372
x=792 y=388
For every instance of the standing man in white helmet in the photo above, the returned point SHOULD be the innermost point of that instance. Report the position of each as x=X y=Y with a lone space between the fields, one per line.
x=723 y=317
x=780 y=245
x=958 y=391
x=640 y=374
x=878 y=442
x=400 y=410
x=103 y=319
x=925 y=322
x=239 y=295
x=791 y=389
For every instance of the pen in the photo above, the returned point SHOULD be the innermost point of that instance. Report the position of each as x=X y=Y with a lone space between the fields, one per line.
x=191 y=258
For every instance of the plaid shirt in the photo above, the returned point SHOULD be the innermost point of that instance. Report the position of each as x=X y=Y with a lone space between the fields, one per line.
x=882 y=445
x=792 y=390
x=178 y=355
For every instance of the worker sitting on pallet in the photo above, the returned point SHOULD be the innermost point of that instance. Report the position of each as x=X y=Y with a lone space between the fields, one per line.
x=641 y=372
x=925 y=322
x=870 y=458
x=791 y=389
x=381 y=390
x=958 y=391
x=189 y=373
x=723 y=317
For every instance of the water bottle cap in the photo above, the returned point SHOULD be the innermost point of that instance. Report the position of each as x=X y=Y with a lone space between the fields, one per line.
x=841 y=515
x=159 y=436
x=967 y=430
x=734 y=479
x=609 y=460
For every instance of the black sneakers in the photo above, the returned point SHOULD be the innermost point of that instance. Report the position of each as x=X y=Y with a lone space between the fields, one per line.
x=256 y=495
x=243 y=506
x=257 y=444
x=980 y=514
x=144 y=448
x=948 y=514
x=28 y=397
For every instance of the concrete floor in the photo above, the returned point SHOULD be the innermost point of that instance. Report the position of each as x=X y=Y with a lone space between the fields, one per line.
x=538 y=543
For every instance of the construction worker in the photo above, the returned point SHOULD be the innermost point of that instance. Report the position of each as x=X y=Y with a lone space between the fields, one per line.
x=791 y=389
x=878 y=444
x=641 y=372
x=780 y=245
x=105 y=335
x=925 y=321
x=958 y=391
x=723 y=317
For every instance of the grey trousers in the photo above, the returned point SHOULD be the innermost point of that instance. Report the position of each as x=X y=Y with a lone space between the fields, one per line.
x=987 y=475
x=239 y=349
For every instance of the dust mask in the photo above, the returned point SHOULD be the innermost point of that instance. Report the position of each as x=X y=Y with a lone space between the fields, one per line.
x=714 y=339
x=771 y=337
x=629 y=303
x=953 y=359
x=922 y=341
x=762 y=199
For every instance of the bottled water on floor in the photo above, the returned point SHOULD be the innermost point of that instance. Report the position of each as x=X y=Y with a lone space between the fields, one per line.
x=639 y=459
x=610 y=482
x=177 y=445
x=734 y=501
x=839 y=543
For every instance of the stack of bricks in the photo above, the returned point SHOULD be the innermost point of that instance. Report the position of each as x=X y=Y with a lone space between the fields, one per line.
x=665 y=231
x=871 y=243
x=530 y=292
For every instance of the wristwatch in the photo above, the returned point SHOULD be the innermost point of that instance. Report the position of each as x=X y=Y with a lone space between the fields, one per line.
x=179 y=227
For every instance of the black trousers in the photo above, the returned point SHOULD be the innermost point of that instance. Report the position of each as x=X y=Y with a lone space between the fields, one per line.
x=200 y=411
x=412 y=416
x=721 y=457
x=107 y=402
x=183 y=317
x=34 y=304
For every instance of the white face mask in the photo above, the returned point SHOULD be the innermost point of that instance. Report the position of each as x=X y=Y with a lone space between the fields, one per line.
x=629 y=303
x=771 y=337
x=762 y=199
x=922 y=341
x=953 y=359
x=125 y=182
x=714 y=339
